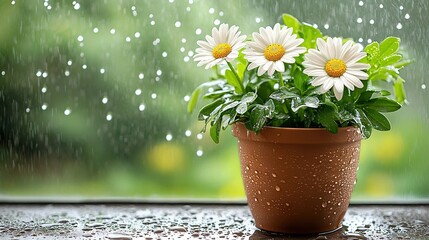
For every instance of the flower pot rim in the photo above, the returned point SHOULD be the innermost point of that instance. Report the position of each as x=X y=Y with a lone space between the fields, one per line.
x=297 y=135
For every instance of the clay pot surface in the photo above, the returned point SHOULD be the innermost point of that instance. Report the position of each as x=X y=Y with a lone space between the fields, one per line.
x=298 y=180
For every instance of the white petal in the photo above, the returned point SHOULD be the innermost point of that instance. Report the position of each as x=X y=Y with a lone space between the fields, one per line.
x=280 y=67
x=211 y=41
x=256 y=46
x=359 y=74
x=338 y=47
x=353 y=80
x=327 y=84
x=358 y=66
x=338 y=88
x=315 y=73
x=346 y=47
x=265 y=33
x=258 y=39
x=216 y=36
x=253 y=65
x=317 y=81
x=356 y=57
x=267 y=65
x=261 y=71
x=272 y=69
x=287 y=59
x=347 y=83
x=331 y=48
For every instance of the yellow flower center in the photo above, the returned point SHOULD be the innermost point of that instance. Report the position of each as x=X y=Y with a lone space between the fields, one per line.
x=335 y=67
x=221 y=50
x=274 y=52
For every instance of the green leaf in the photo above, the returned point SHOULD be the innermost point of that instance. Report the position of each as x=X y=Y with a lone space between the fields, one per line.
x=194 y=99
x=373 y=51
x=249 y=97
x=392 y=59
x=389 y=46
x=327 y=116
x=311 y=102
x=378 y=120
x=383 y=73
x=282 y=94
x=257 y=118
x=242 y=108
x=309 y=34
x=241 y=68
x=300 y=80
x=208 y=109
x=233 y=81
x=365 y=96
x=214 y=131
x=270 y=107
x=230 y=105
x=292 y=22
x=383 y=105
x=363 y=123
x=196 y=93
x=402 y=64
x=399 y=90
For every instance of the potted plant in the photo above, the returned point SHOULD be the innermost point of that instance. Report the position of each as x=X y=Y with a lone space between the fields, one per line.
x=299 y=104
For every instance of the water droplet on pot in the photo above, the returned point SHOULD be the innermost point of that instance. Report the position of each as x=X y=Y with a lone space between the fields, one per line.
x=274 y=175
x=118 y=236
x=268 y=203
x=324 y=204
x=256 y=199
x=287 y=204
x=277 y=188
x=259 y=192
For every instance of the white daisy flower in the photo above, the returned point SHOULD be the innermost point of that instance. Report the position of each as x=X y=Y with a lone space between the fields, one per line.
x=271 y=48
x=224 y=44
x=335 y=65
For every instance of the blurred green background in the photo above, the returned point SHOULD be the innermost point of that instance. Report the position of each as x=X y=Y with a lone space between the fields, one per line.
x=93 y=97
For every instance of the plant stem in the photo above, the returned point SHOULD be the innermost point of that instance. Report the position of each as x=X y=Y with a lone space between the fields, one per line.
x=236 y=75
x=281 y=82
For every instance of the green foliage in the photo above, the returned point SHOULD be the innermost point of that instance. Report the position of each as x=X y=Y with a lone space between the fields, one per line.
x=289 y=100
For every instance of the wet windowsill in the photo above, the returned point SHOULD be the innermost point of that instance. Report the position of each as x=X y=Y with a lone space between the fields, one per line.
x=203 y=221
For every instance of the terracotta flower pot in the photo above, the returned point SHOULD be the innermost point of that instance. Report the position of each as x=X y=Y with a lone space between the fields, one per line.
x=298 y=180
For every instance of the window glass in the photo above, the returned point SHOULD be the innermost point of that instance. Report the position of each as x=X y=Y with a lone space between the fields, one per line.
x=93 y=97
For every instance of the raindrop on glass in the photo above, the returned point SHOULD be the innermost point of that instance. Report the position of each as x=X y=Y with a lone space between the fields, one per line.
x=3 y=73
x=399 y=26
x=102 y=70
x=128 y=39
x=186 y=98
x=137 y=35
x=326 y=26
x=211 y=10
x=198 y=31
x=67 y=112
x=159 y=72
x=423 y=86
x=369 y=40
x=153 y=95
x=186 y=59
x=220 y=13
x=360 y=3
x=141 y=75
x=216 y=22
x=69 y=62
x=77 y=6
x=200 y=153
x=200 y=136
x=169 y=137
x=109 y=117
x=359 y=20
x=44 y=106
x=45 y=75
x=95 y=30
x=371 y=21
x=142 y=107
x=257 y=20
x=407 y=16
x=27 y=110
x=360 y=39
x=84 y=66
x=138 y=91
x=44 y=89
x=112 y=31
x=67 y=73
x=104 y=100
x=80 y=38
x=183 y=40
x=381 y=6
x=188 y=133
x=178 y=24
x=401 y=7
x=39 y=73
x=164 y=54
